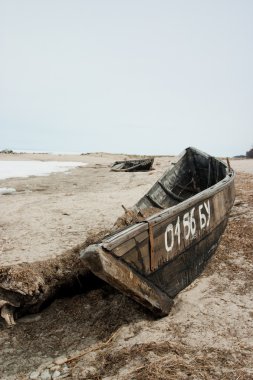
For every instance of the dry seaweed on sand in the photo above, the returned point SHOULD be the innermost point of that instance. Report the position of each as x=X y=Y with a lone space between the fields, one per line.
x=166 y=360
x=28 y=286
x=207 y=364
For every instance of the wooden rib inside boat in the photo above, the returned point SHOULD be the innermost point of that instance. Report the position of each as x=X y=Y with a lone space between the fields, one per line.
x=175 y=229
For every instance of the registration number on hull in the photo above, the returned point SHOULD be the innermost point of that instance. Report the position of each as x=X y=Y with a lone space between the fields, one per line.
x=187 y=226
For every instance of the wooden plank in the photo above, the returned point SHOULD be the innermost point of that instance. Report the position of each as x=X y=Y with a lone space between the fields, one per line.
x=151 y=247
x=125 y=279
x=125 y=247
x=170 y=193
x=139 y=257
x=128 y=233
x=179 y=273
x=139 y=238
x=154 y=202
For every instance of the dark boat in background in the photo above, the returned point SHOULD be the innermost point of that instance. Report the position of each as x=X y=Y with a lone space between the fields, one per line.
x=176 y=228
x=140 y=165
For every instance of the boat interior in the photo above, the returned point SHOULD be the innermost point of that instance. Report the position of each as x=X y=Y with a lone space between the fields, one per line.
x=194 y=172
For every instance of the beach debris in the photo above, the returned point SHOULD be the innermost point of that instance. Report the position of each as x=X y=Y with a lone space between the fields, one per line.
x=7 y=309
x=49 y=370
x=34 y=375
x=61 y=360
x=46 y=375
x=56 y=374
x=7 y=190
x=60 y=367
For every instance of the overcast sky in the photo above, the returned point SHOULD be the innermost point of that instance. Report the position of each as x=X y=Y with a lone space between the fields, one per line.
x=132 y=76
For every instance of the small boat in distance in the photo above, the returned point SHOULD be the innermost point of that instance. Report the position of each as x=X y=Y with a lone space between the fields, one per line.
x=174 y=229
x=140 y=165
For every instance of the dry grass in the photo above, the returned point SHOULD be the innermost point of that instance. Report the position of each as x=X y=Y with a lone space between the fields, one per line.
x=171 y=361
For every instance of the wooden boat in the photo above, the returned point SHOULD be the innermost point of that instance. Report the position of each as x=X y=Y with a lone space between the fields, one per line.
x=179 y=224
x=140 y=165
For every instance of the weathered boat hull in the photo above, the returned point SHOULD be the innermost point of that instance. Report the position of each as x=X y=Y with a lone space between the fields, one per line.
x=155 y=259
x=140 y=165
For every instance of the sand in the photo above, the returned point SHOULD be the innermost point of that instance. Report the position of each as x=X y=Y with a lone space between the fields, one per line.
x=51 y=214
x=101 y=334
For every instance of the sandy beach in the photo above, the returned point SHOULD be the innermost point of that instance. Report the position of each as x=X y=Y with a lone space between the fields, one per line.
x=100 y=333
x=47 y=215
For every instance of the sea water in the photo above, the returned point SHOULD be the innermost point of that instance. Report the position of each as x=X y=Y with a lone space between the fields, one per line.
x=11 y=169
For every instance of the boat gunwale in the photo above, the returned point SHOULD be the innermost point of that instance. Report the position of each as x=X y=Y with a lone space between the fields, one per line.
x=112 y=241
